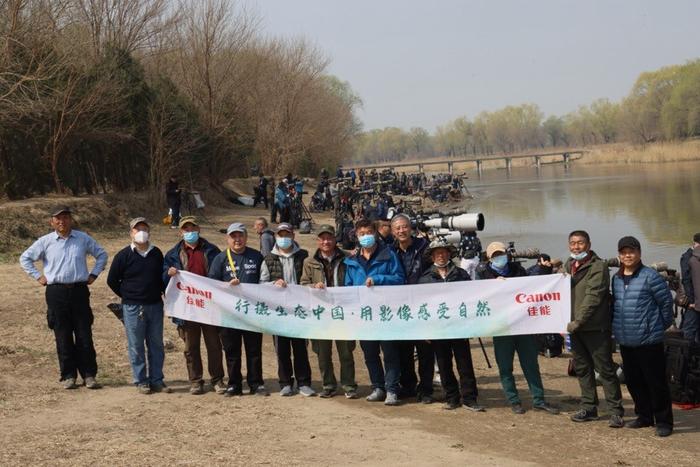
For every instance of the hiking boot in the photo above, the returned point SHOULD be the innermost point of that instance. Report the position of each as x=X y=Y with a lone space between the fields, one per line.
x=219 y=387
x=91 y=383
x=474 y=407
x=616 y=421
x=233 y=391
x=260 y=391
x=351 y=394
x=549 y=408
x=638 y=423
x=197 y=388
x=287 y=391
x=143 y=389
x=161 y=388
x=69 y=383
x=391 y=399
x=425 y=398
x=663 y=430
x=584 y=415
x=377 y=395
x=517 y=409
x=306 y=391
x=327 y=393
x=451 y=405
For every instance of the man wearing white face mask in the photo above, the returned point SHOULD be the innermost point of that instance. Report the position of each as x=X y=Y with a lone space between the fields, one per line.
x=135 y=276
x=591 y=330
x=284 y=265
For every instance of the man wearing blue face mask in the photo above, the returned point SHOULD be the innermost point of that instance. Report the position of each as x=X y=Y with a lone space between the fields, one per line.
x=194 y=254
x=499 y=267
x=284 y=265
x=377 y=264
x=591 y=330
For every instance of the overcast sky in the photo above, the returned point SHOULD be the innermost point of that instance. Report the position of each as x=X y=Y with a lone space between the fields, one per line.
x=423 y=63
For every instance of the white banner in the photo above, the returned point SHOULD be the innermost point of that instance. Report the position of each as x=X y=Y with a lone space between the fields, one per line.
x=522 y=305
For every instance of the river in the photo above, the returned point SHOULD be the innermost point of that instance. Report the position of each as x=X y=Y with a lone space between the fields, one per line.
x=657 y=203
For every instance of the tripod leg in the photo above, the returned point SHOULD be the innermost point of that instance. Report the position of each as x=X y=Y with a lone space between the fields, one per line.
x=483 y=349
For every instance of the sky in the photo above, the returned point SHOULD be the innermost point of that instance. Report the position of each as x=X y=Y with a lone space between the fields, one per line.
x=424 y=63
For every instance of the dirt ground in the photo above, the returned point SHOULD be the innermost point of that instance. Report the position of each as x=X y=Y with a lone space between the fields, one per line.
x=44 y=424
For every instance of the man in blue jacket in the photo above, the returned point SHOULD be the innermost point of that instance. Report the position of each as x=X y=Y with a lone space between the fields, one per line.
x=376 y=264
x=194 y=254
x=643 y=310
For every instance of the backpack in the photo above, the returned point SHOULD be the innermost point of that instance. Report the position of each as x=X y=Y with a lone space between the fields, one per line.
x=683 y=369
x=550 y=345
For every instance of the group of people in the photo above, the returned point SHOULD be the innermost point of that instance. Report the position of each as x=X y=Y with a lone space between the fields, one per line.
x=640 y=313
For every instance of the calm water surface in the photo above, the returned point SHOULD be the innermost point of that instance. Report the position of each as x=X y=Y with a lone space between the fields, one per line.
x=657 y=203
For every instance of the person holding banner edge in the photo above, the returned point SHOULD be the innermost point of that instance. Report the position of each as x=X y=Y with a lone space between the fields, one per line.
x=326 y=268
x=500 y=266
x=375 y=264
x=194 y=254
x=281 y=267
x=444 y=270
x=240 y=264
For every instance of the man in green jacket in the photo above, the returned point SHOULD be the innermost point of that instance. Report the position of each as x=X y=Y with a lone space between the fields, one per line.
x=326 y=268
x=591 y=330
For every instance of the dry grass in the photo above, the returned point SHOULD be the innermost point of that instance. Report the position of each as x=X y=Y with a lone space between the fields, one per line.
x=646 y=154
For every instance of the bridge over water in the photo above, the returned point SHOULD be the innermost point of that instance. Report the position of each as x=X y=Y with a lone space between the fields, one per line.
x=566 y=157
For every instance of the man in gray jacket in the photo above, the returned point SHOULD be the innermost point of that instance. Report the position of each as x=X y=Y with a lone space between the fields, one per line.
x=267 y=236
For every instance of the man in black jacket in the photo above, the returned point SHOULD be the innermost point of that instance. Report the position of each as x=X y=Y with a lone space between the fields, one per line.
x=135 y=276
x=690 y=275
x=444 y=270
x=410 y=250
x=239 y=264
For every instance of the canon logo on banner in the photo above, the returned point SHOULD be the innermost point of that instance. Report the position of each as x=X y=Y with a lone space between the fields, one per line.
x=194 y=291
x=538 y=297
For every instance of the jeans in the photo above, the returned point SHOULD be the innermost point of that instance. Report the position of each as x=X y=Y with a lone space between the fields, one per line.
x=144 y=324
x=691 y=325
x=386 y=377
x=70 y=317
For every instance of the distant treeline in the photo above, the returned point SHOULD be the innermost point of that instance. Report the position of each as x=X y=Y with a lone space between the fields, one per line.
x=112 y=95
x=662 y=105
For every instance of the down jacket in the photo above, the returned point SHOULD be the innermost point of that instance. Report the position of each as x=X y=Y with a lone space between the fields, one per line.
x=643 y=310
x=384 y=268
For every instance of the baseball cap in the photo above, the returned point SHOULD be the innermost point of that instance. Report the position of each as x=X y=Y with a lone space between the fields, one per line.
x=628 y=242
x=284 y=226
x=325 y=228
x=236 y=227
x=137 y=220
x=188 y=220
x=60 y=210
x=494 y=247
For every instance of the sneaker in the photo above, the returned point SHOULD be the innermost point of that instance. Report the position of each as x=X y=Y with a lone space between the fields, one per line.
x=584 y=415
x=287 y=391
x=91 y=383
x=327 y=393
x=219 y=387
x=663 y=430
x=474 y=407
x=549 y=408
x=233 y=391
x=69 y=383
x=638 y=423
x=351 y=394
x=197 y=388
x=161 y=388
x=306 y=391
x=425 y=398
x=377 y=395
x=260 y=391
x=452 y=405
x=391 y=399
x=517 y=409
x=143 y=389
x=616 y=421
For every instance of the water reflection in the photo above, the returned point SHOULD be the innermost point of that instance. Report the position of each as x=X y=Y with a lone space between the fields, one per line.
x=658 y=203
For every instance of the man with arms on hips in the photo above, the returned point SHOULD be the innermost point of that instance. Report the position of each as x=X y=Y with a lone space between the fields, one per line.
x=135 y=276
x=63 y=254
